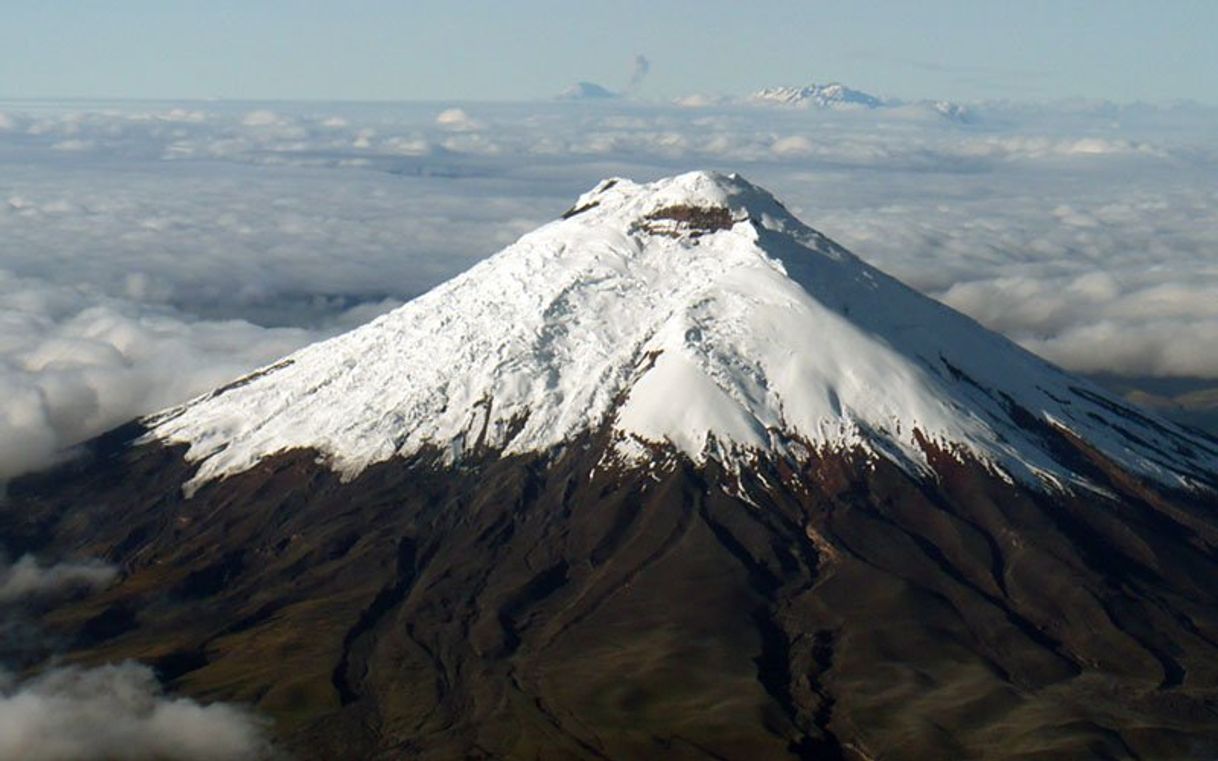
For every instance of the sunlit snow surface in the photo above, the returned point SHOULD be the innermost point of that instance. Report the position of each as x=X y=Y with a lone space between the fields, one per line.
x=753 y=334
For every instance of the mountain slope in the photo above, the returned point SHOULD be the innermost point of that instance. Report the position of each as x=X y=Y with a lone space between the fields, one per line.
x=673 y=477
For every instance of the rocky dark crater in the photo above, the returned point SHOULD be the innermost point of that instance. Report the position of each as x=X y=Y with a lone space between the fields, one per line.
x=693 y=221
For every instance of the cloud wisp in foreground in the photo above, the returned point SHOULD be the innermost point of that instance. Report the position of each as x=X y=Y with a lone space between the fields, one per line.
x=73 y=713
x=26 y=580
x=119 y=711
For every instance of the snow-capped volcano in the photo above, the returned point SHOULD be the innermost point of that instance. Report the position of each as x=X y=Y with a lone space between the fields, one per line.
x=673 y=477
x=695 y=313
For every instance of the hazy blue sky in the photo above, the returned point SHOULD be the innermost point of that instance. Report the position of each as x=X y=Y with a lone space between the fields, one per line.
x=462 y=49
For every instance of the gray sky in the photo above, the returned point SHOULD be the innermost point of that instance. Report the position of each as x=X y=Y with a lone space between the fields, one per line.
x=483 y=50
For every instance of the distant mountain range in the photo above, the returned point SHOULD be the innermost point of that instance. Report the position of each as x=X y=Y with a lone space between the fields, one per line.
x=833 y=96
x=837 y=96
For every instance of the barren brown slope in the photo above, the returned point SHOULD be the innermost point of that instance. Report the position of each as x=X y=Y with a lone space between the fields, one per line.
x=534 y=608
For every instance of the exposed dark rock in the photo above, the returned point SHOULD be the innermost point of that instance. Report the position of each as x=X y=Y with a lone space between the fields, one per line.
x=693 y=221
x=575 y=211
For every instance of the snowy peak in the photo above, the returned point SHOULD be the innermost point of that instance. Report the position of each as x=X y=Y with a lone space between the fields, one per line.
x=693 y=314
x=832 y=95
x=587 y=91
x=838 y=97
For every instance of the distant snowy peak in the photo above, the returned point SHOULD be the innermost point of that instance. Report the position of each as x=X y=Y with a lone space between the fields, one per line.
x=832 y=95
x=694 y=315
x=947 y=109
x=587 y=91
x=839 y=97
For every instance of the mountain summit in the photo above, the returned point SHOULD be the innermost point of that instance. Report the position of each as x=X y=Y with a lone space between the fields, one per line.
x=673 y=476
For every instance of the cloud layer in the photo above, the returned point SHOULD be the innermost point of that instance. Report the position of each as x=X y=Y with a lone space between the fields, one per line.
x=74 y=363
x=152 y=251
x=118 y=711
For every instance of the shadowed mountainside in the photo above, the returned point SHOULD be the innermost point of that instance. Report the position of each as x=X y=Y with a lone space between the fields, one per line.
x=525 y=608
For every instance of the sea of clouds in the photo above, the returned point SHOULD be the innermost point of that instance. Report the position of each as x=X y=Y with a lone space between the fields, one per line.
x=152 y=251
